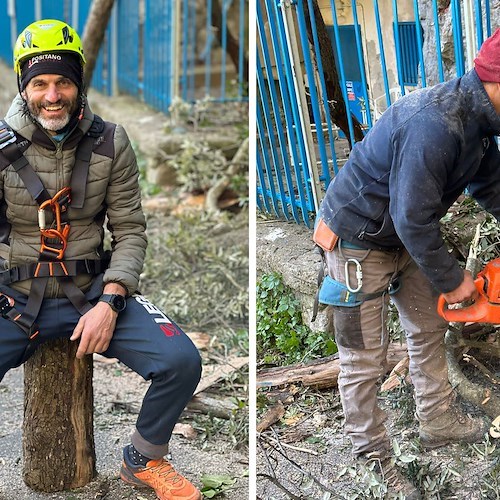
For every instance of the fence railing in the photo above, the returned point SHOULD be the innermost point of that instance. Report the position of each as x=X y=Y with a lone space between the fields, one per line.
x=155 y=50
x=326 y=73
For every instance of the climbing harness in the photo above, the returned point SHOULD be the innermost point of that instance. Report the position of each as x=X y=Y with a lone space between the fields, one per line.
x=53 y=236
x=335 y=293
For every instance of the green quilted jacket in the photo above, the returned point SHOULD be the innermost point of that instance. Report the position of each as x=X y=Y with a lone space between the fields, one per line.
x=112 y=199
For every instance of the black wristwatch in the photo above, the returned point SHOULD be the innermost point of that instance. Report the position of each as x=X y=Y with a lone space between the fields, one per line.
x=117 y=302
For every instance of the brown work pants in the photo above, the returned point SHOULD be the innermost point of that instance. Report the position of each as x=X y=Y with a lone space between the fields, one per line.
x=362 y=340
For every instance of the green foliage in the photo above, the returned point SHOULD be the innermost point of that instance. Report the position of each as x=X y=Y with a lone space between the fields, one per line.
x=147 y=188
x=401 y=398
x=436 y=483
x=394 y=327
x=198 y=273
x=216 y=485
x=198 y=167
x=281 y=334
x=490 y=484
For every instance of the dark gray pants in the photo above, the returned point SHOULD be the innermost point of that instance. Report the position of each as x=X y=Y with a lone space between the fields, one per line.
x=145 y=340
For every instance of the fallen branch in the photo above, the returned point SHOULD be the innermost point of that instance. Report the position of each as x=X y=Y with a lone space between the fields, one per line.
x=279 y=449
x=487 y=373
x=213 y=373
x=271 y=416
x=285 y=445
x=220 y=408
x=398 y=374
x=320 y=373
x=280 y=486
x=215 y=192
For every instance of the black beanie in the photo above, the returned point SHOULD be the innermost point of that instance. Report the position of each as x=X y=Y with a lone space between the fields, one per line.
x=52 y=63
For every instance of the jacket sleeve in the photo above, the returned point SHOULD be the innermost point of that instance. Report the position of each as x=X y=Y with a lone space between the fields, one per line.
x=485 y=187
x=126 y=220
x=424 y=155
x=4 y=230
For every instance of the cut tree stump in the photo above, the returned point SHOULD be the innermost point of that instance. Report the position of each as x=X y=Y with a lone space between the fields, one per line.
x=58 y=432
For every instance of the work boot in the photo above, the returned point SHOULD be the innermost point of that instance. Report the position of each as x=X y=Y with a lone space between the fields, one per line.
x=452 y=426
x=396 y=483
x=161 y=477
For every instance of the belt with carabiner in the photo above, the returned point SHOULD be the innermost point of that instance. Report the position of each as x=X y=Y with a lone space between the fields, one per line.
x=356 y=295
x=353 y=262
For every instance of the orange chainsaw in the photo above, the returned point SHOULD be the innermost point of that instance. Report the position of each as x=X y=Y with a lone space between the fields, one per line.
x=486 y=308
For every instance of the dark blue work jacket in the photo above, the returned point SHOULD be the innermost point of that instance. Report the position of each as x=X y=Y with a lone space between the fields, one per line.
x=409 y=169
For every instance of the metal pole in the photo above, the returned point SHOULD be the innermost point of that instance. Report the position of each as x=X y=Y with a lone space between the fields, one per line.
x=11 y=12
x=114 y=50
x=176 y=49
x=38 y=9
x=470 y=39
x=438 y=40
x=298 y=82
x=75 y=6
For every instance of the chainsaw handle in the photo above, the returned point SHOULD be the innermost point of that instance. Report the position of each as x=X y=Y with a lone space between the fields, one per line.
x=470 y=314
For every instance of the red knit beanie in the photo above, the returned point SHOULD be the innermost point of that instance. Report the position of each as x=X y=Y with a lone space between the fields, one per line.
x=487 y=62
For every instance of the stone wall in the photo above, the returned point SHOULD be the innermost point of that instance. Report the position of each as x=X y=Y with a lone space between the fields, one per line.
x=288 y=249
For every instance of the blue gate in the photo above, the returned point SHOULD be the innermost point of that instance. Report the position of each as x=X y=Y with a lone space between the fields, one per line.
x=378 y=55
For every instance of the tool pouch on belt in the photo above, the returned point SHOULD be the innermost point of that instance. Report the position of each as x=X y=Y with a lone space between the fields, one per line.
x=334 y=293
x=324 y=237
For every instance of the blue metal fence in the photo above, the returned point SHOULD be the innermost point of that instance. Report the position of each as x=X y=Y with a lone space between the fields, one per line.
x=153 y=49
x=158 y=58
x=128 y=34
x=379 y=56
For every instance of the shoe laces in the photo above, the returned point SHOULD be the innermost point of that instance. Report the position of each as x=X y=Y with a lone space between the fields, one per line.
x=391 y=475
x=458 y=414
x=165 y=470
x=386 y=467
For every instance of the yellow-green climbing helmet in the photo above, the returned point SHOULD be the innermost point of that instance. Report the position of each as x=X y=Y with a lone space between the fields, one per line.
x=48 y=35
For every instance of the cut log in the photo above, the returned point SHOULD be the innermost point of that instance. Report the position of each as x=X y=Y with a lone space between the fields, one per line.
x=398 y=374
x=271 y=416
x=320 y=373
x=217 y=407
x=58 y=434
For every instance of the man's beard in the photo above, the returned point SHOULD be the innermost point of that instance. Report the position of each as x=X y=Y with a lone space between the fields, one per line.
x=52 y=124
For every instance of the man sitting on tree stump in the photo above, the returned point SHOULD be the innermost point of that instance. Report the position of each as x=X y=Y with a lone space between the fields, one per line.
x=62 y=171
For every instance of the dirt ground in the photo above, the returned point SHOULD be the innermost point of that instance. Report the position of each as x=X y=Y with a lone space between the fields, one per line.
x=117 y=391
x=117 y=394
x=306 y=456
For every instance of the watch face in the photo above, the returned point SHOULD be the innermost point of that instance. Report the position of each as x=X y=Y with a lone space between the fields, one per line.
x=119 y=302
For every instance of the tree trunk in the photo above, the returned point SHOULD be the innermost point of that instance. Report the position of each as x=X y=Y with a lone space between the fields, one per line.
x=93 y=35
x=334 y=93
x=319 y=373
x=232 y=44
x=58 y=434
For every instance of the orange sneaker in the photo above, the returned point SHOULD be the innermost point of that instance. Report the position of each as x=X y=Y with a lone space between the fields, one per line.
x=162 y=477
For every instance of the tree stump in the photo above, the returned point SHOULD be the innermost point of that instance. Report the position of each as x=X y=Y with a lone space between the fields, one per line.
x=58 y=432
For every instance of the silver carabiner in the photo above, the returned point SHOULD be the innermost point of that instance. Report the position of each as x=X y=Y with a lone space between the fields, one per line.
x=359 y=275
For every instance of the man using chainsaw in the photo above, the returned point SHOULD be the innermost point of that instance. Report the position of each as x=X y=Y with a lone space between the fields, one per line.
x=379 y=227
x=63 y=170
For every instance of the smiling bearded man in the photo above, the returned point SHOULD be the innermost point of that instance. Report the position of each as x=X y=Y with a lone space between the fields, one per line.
x=50 y=85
